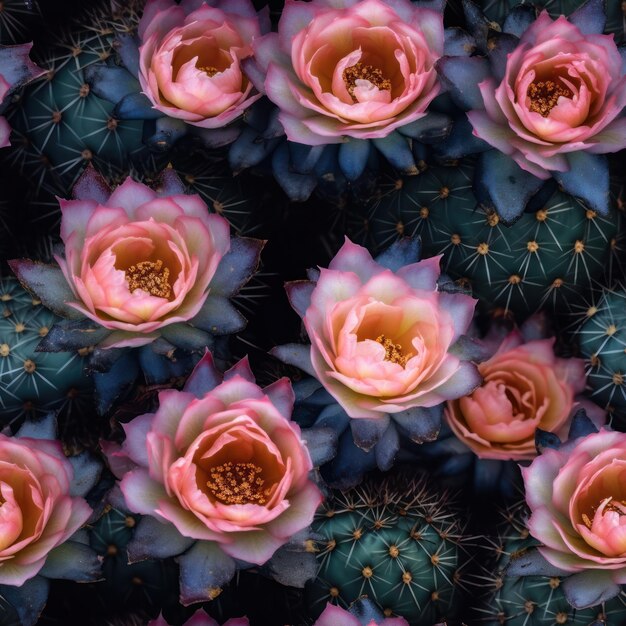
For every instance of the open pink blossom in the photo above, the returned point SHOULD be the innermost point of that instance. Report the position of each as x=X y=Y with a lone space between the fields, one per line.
x=228 y=467
x=141 y=261
x=359 y=68
x=336 y=616
x=525 y=387
x=563 y=91
x=576 y=495
x=190 y=59
x=380 y=339
x=37 y=512
x=201 y=618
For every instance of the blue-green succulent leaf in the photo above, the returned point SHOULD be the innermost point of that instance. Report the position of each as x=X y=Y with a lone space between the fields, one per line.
x=297 y=354
x=545 y=440
x=503 y=185
x=460 y=142
x=353 y=157
x=158 y=368
x=458 y=43
x=306 y=387
x=72 y=335
x=622 y=52
x=590 y=18
x=110 y=82
x=431 y=128
x=333 y=416
x=299 y=295
x=204 y=378
x=321 y=444
x=397 y=151
x=367 y=432
x=44 y=428
x=217 y=137
x=136 y=106
x=532 y=563
x=519 y=19
x=587 y=179
x=155 y=540
x=112 y=384
x=168 y=132
x=219 y=317
x=302 y=157
x=204 y=568
x=237 y=266
x=590 y=588
x=73 y=561
x=28 y=600
x=349 y=465
x=292 y=565
x=403 y=252
x=87 y=470
x=186 y=337
x=298 y=187
x=281 y=395
x=127 y=47
x=502 y=45
x=462 y=76
x=477 y=24
x=366 y=611
x=420 y=424
x=581 y=426
x=249 y=149
x=49 y=284
x=387 y=447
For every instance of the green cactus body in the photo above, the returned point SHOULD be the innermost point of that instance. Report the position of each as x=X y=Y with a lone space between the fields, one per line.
x=546 y=259
x=532 y=600
x=400 y=548
x=602 y=338
x=147 y=585
x=61 y=125
x=497 y=10
x=33 y=382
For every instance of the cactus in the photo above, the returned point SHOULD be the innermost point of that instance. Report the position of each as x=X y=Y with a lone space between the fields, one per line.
x=17 y=19
x=546 y=259
x=497 y=10
x=33 y=383
x=394 y=542
x=531 y=600
x=601 y=338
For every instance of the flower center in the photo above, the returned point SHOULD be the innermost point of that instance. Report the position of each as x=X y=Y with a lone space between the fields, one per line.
x=209 y=70
x=544 y=96
x=358 y=71
x=393 y=351
x=149 y=276
x=614 y=506
x=238 y=483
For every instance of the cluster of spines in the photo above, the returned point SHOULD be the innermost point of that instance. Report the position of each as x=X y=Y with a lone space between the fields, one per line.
x=396 y=543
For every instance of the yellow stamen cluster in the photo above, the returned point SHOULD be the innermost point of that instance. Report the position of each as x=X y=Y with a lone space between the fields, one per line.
x=615 y=508
x=544 y=96
x=238 y=483
x=365 y=72
x=149 y=276
x=209 y=70
x=393 y=351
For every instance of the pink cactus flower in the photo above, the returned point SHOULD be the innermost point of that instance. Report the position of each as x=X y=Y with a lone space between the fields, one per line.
x=142 y=261
x=525 y=387
x=229 y=467
x=576 y=495
x=563 y=91
x=200 y=618
x=37 y=512
x=190 y=59
x=357 y=68
x=380 y=340
x=336 y=616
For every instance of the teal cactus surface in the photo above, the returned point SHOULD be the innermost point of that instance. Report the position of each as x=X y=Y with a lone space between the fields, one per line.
x=497 y=10
x=531 y=600
x=397 y=544
x=32 y=383
x=602 y=341
x=59 y=124
x=546 y=260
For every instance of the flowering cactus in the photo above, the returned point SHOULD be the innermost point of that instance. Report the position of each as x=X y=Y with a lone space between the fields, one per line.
x=221 y=464
x=575 y=493
x=363 y=613
x=190 y=59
